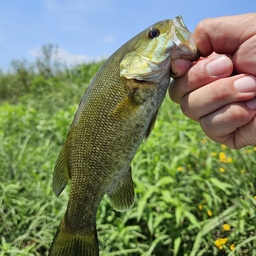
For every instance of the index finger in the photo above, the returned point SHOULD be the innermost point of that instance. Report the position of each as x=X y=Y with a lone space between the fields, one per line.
x=224 y=34
x=202 y=72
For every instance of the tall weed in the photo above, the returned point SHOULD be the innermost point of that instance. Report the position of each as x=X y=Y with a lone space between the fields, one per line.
x=193 y=196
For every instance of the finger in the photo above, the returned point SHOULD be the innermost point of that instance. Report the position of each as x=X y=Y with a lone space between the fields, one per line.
x=224 y=34
x=210 y=98
x=202 y=72
x=245 y=135
x=222 y=125
x=251 y=103
x=245 y=57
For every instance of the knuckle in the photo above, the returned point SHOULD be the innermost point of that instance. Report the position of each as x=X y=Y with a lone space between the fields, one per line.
x=173 y=91
x=184 y=106
x=187 y=109
x=221 y=91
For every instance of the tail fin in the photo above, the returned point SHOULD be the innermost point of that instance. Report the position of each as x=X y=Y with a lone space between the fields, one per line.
x=72 y=244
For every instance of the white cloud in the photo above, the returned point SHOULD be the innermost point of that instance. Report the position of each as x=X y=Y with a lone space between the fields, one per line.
x=109 y=39
x=77 y=6
x=68 y=58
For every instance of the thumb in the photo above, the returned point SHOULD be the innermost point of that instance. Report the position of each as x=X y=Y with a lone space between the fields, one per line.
x=179 y=67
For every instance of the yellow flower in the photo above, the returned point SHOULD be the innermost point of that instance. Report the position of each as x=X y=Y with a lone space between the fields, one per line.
x=222 y=157
x=204 y=140
x=217 y=242
x=180 y=169
x=200 y=207
x=209 y=212
x=232 y=247
x=222 y=169
x=254 y=197
x=254 y=148
x=242 y=171
x=220 y=241
x=229 y=160
x=226 y=227
x=223 y=147
x=213 y=154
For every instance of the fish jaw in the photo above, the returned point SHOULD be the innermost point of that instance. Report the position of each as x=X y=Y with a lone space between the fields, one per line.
x=185 y=47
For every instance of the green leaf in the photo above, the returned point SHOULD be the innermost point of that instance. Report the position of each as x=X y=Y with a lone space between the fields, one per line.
x=176 y=247
x=221 y=185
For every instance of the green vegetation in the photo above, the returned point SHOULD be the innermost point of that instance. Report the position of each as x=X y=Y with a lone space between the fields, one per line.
x=193 y=196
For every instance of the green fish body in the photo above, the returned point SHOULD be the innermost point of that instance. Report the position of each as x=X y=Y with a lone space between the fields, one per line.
x=116 y=113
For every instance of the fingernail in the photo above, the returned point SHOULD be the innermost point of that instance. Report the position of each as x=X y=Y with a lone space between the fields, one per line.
x=219 y=66
x=245 y=84
x=251 y=103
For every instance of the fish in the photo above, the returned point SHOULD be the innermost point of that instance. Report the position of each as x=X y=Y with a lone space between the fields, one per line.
x=117 y=112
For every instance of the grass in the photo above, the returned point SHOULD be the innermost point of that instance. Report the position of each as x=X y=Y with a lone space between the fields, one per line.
x=193 y=196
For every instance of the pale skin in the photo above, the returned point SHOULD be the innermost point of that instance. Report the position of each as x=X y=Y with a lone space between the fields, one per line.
x=219 y=90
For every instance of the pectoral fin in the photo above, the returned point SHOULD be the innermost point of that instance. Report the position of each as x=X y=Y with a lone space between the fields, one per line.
x=122 y=196
x=125 y=107
x=61 y=172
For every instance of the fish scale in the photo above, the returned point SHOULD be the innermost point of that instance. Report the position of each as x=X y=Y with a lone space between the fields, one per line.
x=117 y=111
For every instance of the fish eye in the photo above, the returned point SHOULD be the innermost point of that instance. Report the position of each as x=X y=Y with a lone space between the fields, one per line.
x=154 y=32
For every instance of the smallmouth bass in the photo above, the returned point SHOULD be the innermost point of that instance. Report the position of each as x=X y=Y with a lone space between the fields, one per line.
x=117 y=111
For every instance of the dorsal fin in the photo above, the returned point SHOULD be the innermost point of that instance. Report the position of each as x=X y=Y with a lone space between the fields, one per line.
x=61 y=171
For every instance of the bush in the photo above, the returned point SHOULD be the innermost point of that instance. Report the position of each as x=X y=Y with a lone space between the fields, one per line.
x=193 y=196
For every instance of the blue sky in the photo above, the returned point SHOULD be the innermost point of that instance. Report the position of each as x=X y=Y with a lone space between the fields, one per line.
x=86 y=30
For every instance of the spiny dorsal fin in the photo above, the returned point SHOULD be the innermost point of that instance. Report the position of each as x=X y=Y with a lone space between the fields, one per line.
x=122 y=196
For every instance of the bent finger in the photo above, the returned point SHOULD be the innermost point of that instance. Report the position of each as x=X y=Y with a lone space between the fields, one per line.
x=210 y=98
x=201 y=73
x=179 y=67
x=224 y=34
x=221 y=125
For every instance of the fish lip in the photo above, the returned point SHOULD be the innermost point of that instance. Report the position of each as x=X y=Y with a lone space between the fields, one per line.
x=189 y=56
x=186 y=50
x=186 y=54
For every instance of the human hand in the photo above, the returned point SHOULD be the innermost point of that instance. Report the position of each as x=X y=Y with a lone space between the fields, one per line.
x=224 y=105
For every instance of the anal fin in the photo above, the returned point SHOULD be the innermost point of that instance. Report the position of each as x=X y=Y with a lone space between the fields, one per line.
x=122 y=196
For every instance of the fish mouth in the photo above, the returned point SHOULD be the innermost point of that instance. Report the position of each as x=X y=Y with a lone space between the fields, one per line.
x=186 y=51
x=187 y=56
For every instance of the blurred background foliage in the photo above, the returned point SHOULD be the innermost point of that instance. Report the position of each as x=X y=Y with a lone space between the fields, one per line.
x=193 y=196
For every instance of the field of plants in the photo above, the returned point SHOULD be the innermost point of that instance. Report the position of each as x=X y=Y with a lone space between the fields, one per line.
x=193 y=196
